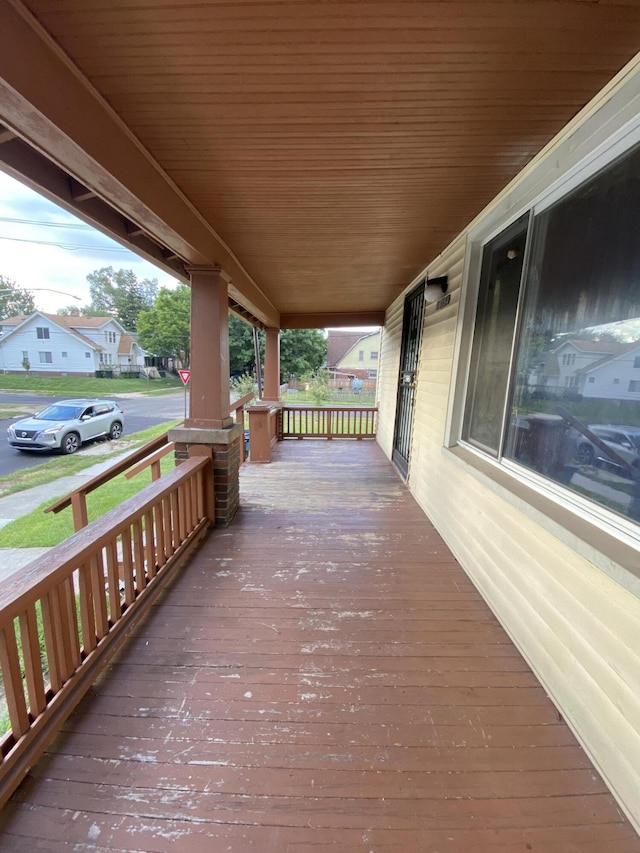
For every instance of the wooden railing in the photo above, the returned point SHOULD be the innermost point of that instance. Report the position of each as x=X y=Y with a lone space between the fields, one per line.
x=149 y=455
x=238 y=408
x=328 y=422
x=65 y=614
x=263 y=429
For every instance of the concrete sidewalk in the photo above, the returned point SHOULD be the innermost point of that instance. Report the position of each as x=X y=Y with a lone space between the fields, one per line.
x=22 y=503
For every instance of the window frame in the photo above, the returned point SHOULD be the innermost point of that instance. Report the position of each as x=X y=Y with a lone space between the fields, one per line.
x=477 y=238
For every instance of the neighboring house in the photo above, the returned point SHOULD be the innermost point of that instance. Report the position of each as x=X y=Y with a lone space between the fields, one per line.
x=58 y=345
x=353 y=353
x=605 y=369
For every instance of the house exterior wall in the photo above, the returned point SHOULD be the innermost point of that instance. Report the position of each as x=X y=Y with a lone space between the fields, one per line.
x=59 y=341
x=617 y=380
x=108 y=337
x=566 y=590
x=363 y=356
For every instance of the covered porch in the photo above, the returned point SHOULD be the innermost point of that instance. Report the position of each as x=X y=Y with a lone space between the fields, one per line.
x=321 y=673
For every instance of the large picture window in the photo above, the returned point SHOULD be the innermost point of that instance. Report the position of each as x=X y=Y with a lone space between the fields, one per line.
x=553 y=382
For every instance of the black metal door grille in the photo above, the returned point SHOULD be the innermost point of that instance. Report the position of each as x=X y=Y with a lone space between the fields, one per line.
x=409 y=359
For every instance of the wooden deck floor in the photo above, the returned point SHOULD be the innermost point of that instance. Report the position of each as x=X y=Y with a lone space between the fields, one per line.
x=321 y=676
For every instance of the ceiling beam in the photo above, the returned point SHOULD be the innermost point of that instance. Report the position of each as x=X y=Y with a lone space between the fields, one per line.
x=49 y=104
x=332 y=320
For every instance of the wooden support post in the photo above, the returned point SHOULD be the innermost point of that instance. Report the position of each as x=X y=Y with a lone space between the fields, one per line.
x=271 y=392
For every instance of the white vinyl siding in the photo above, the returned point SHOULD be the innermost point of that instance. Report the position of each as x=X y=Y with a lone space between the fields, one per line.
x=567 y=592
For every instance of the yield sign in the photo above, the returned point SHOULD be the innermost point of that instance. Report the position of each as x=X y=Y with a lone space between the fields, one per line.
x=185 y=375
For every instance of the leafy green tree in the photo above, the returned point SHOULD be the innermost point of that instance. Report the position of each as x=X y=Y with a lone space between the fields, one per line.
x=73 y=310
x=302 y=351
x=14 y=300
x=243 y=385
x=165 y=329
x=241 y=350
x=119 y=293
x=319 y=387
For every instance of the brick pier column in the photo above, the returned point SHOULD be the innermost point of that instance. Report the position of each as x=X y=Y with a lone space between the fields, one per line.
x=224 y=445
x=209 y=430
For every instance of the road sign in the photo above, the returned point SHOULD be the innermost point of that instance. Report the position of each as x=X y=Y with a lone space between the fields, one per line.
x=185 y=375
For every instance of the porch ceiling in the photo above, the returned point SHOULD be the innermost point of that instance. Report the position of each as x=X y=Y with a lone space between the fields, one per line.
x=322 y=153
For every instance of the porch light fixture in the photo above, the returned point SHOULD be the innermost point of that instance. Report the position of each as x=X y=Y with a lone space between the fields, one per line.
x=435 y=287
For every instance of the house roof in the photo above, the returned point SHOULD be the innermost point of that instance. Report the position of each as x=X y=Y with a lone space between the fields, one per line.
x=323 y=154
x=594 y=346
x=59 y=320
x=125 y=344
x=339 y=342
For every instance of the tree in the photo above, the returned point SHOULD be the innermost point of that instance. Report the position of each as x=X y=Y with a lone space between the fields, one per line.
x=320 y=392
x=165 y=329
x=241 y=350
x=118 y=293
x=74 y=310
x=302 y=351
x=14 y=300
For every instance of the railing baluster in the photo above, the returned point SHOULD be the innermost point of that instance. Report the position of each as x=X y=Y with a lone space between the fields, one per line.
x=150 y=544
x=99 y=596
x=113 y=575
x=12 y=679
x=51 y=640
x=127 y=567
x=87 y=613
x=175 y=520
x=184 y=498
x=70 y=625
x=138 y=555
x=166 y=524
x=32 y=659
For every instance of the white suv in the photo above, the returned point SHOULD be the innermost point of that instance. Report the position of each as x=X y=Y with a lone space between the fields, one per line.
x=66 y=425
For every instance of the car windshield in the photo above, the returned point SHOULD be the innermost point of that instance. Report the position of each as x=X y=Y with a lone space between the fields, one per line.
x=59 y=413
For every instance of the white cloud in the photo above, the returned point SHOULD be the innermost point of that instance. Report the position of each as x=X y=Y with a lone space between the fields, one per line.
x=37 y=253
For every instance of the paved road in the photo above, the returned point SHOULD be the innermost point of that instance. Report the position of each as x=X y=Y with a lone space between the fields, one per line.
x=140 y=413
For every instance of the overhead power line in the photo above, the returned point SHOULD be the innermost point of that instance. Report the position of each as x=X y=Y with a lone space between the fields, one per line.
x=47 y=223
x=70 y=246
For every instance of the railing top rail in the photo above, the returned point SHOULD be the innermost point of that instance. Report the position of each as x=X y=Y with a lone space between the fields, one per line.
x=100 y=479
x=43 y=573
x=242 y=401
x=332 y=408
x=150 y=460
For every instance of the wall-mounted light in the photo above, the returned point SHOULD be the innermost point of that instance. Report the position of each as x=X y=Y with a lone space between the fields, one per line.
x=435 y=287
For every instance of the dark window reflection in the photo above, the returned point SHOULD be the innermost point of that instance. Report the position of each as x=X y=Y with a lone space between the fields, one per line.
x=575 y=412
x=502 y=263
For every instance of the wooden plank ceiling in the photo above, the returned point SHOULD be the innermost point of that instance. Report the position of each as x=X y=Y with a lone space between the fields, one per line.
x=337 y=147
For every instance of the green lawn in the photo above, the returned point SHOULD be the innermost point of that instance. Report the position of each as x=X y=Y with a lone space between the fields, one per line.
x=38 y=530
x=338 y=398
x=85 y=386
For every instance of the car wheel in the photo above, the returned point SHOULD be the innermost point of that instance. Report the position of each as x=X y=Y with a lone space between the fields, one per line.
x=585 y=454
x=116 y=430
x=70 y=443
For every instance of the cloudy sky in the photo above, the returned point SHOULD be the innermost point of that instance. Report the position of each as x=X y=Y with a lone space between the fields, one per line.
x=43 y=246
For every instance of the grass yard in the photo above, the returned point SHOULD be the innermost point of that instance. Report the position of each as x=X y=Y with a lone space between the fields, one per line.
x=85 y=386
x=40 y=530
x=338 y=398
